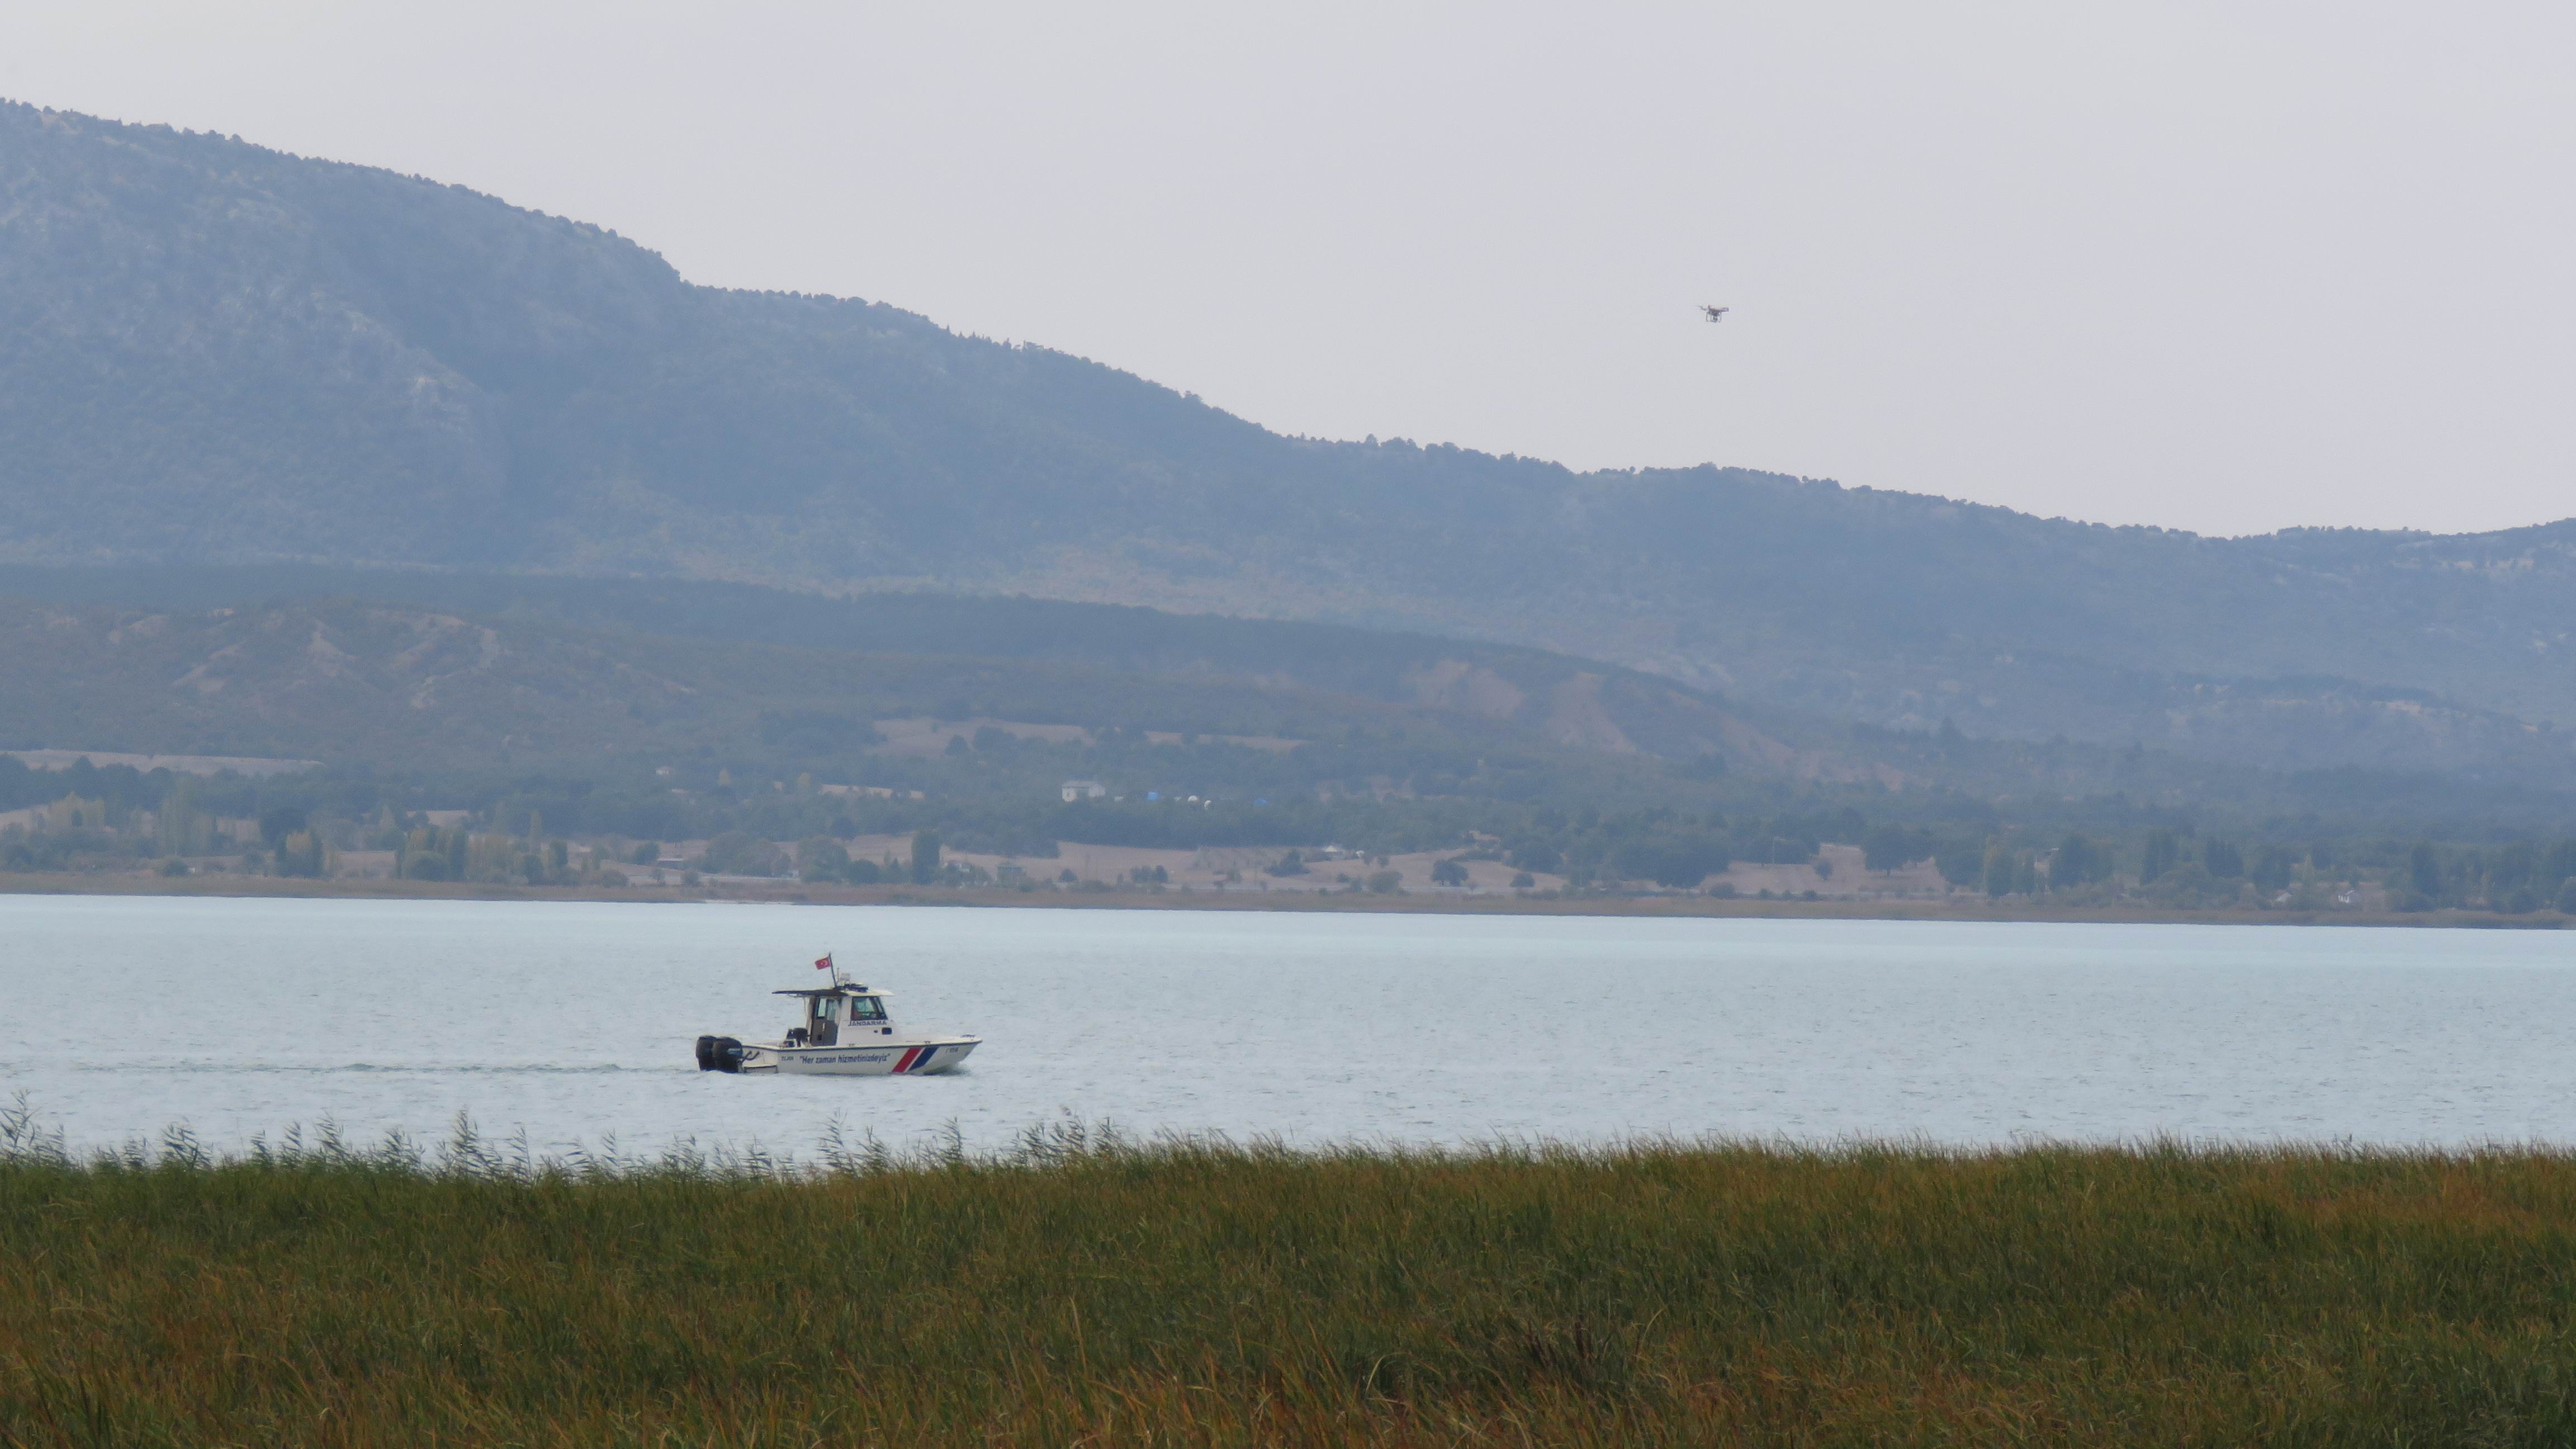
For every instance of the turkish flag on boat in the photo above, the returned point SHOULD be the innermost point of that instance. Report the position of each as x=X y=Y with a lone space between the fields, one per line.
x=825 y=964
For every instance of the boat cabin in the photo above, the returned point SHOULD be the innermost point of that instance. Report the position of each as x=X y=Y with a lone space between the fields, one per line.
x=835 y=1012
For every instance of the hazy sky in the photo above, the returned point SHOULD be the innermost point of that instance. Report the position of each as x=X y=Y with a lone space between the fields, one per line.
x=2225 y=267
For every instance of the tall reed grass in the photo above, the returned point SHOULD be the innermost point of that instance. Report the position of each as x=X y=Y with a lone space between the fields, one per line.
x=1088 y=1290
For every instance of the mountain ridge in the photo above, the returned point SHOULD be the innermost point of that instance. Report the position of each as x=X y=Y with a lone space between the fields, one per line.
x=236 y=355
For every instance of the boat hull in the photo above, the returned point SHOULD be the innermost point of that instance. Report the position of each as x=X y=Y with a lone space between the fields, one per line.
x=926 y=1057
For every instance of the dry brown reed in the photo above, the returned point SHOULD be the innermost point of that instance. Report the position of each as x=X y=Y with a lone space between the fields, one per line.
x=1084 y=1290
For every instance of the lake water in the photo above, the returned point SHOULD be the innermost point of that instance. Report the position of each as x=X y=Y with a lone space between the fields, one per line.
x=574 y=1022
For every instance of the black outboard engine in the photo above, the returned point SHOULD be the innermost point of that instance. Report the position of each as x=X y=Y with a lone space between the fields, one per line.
x=719 y=1054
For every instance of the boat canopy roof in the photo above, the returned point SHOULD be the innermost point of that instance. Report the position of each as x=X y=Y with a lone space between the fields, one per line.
x=846 y=989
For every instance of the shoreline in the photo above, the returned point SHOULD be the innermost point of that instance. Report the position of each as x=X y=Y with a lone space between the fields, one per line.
x=1649 y=907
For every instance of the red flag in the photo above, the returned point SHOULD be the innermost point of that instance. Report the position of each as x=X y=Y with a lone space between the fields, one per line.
x=825 y=964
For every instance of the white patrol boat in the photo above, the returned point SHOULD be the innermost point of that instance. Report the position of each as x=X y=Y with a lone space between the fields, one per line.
x=846 y=1033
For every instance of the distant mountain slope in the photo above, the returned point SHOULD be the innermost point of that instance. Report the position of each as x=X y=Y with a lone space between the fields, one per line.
x=2300 y=724
x=358 y=681
x=411 y=687
x=350 y=682
x=384 y=665
x=221 y=353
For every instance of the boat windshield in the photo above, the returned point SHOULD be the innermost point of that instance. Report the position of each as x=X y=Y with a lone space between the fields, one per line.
x=867 y=1008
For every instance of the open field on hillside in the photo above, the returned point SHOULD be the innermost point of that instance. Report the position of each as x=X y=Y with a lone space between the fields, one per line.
x=1203 y=1295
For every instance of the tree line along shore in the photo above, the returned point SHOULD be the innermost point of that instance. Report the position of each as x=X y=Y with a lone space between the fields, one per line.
x=1670 y=906
x=318 y=825
x=1084 y=1290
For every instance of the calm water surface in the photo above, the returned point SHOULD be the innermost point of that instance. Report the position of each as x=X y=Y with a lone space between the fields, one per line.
x=574 y=1022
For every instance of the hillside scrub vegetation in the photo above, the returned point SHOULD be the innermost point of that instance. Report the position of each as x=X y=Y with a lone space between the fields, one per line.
x=555 y=717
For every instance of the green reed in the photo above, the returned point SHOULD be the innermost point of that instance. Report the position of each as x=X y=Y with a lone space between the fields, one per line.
x=1086 y=1289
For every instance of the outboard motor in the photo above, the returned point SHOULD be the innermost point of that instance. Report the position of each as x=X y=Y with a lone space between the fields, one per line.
x=719 y=1054
x=706 y=1054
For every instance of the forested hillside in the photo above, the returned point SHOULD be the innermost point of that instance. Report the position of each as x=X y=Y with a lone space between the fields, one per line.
x=1530 y=693
x=465 y=687
x=219 y=353
x=1225 y=675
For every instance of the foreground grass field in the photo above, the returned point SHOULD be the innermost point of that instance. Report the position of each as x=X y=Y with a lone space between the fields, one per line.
x=1102 y=1294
